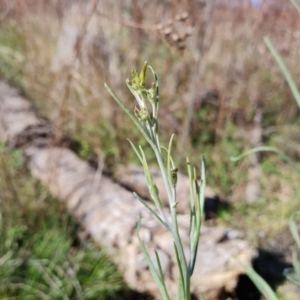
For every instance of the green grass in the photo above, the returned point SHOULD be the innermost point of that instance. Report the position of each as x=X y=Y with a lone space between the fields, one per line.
x=41 y=255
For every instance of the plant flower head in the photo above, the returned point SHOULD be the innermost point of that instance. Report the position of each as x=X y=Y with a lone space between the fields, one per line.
x=137 y=86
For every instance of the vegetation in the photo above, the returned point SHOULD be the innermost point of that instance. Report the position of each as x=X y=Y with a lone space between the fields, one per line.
x=41 y=254
x=293 y=273
x=147 y=121
x=213 y=90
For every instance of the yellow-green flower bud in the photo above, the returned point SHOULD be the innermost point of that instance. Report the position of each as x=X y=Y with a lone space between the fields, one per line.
x=174 y=176
x=142 y=114
x=143 y=72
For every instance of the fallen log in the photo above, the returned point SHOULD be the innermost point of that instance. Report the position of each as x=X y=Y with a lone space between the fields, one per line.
x=110 y=213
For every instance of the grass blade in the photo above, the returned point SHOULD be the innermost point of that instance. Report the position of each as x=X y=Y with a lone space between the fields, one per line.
x=132 y=117
x=261 y=284
x=285 y=71
x=294 y=228
x=270 y=149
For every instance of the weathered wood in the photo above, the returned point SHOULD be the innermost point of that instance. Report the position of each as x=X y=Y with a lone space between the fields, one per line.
x=110 y=213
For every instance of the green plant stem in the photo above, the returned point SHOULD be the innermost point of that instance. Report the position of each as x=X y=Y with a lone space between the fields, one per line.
x=172 y=201
x=148 y=125
x=177 y=240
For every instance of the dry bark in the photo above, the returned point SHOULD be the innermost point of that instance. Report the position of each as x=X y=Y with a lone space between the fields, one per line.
x=110 y=213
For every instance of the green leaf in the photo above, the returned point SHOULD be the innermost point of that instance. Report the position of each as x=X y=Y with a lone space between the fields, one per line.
x=193 y=220
x=296 y=266
x=159 y=267
x=294 y=228
x=143 y=72
x=270 y=149
x=203 y=185
x=136 y=151
x=132 y=117
x=159 y=282
x=191 y=185
x=151 y=184
x=169 y=158
x=136 y=95
x=156 y=91
x=195 y=235
x=296 y=6
x=261 y=284
x=293 y=274
x=284 y=70
x=152 y=211
x=181 y=286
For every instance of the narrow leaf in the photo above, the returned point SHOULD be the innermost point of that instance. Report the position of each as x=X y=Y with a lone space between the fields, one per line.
x=190 y=175
x=143 y=72
x=136 y=151
x=284 y=70
x=296 y=6
x=203 y=185
x=199 y=215
x=293 y=274
x=132 y=117
x=151 y=210
x=261 y=284
x=151 y=184
x=296 y=266
x=181 y=276
x=294 y=228
x=270 y=149
x=161 y=274
x=159 y=283
x=156 y=90
x=169 y=158
x=136 y=95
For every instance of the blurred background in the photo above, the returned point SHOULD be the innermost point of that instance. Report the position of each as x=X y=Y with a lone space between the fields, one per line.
x=221 y=93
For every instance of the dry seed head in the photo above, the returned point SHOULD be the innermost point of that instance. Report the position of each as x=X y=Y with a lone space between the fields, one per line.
x=189 y=31
x=159 y=27
x=175 y=37
x=184 y=16
x=167 y=31
x=169 y=22
x=178 y=18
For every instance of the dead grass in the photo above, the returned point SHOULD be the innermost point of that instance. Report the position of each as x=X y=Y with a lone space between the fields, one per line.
x=225 y=53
